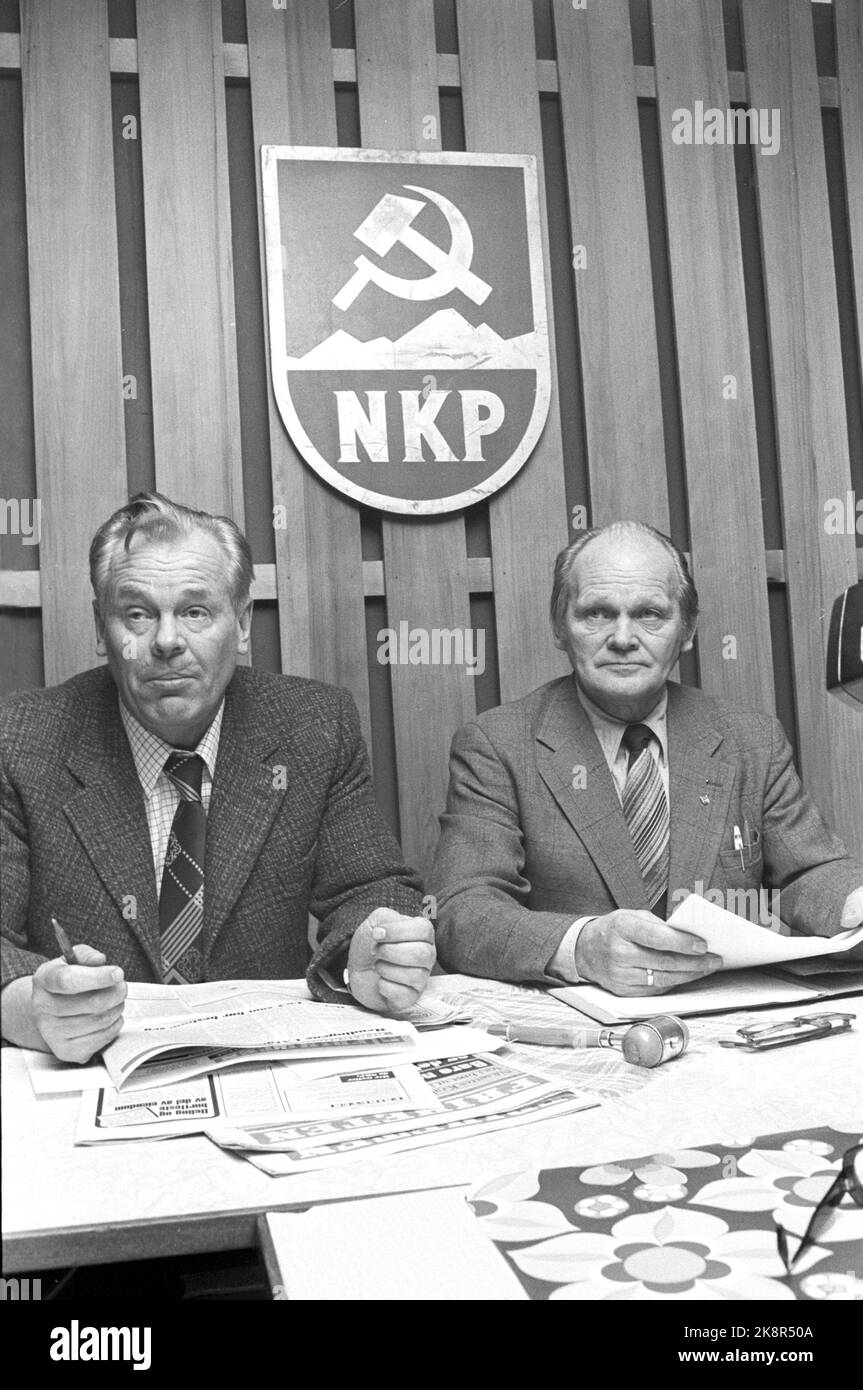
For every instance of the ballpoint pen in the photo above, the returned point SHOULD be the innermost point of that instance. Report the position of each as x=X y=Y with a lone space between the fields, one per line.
x=738 y=845
x=64 y=943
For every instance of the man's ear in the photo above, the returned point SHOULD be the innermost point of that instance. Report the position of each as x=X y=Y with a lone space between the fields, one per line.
x=100 y=630
x=244 y=622
x=687 y=644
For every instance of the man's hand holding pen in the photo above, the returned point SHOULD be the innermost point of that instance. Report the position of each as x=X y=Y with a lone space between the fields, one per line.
x=78 y=1001
x=78 y=1008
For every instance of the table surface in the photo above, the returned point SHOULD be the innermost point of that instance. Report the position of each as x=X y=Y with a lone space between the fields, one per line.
x=65 y=1205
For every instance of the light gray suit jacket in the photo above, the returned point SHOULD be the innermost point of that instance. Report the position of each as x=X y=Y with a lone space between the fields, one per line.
x=534 y=834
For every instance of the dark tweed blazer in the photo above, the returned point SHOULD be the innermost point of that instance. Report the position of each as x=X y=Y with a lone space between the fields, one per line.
x=75 y=842
x=529 y=842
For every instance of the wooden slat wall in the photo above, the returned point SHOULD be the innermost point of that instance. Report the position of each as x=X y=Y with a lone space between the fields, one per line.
x=318 y=551
x=849 y=62
x=727 y=537
x=528 y=518
x=607 y=208
x=425 y=561
x=320 y=579
x=807 y=385
x=74 y=307
x=193 y=350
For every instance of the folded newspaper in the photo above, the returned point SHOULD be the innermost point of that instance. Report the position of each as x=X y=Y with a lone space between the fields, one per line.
x=253 y=1094
x=171 y=1033
x=475 y=1095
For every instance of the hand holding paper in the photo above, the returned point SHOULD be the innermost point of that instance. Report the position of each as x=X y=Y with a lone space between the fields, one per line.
x=741 y=943
x=742 y=946
x=628 y=951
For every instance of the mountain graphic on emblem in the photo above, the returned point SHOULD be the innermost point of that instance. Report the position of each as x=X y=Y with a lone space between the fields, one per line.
x=444 y=340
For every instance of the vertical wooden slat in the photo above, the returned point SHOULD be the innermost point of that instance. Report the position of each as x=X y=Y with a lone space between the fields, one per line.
x=614 y=289
x=75 y=308
x=318 y=553
x=196 y=416
x=529 y=523
x=802 y=314
x=425 y=560
x=848 y=19
x=723 y=486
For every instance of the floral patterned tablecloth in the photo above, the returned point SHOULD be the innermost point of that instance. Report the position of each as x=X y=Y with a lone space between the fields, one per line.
x=687 y=1224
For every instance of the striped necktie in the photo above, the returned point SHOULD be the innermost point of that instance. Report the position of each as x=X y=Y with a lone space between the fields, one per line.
x=181 y=900
x=645 y=809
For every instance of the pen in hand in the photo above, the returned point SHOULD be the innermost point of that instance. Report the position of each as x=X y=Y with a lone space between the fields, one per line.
x=100 y=994
x=66 y=948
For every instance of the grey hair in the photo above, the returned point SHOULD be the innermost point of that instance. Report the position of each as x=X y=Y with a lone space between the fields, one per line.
x=157 y=518
x=563 y=588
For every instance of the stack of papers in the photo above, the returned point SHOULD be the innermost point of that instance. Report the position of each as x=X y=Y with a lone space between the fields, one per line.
x=269 y=1093
x=292 y=1084
x=473 y=1095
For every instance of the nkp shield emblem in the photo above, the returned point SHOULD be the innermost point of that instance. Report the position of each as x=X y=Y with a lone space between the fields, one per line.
x=408 y=330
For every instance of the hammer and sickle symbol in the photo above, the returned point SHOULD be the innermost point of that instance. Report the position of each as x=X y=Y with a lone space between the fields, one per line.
x=389 y=222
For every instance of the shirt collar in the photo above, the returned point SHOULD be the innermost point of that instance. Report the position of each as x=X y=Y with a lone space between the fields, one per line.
x=150 y=752
x=610 y=731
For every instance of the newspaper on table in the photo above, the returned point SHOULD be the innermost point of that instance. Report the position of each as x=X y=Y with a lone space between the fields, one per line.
x=49 y=1076
x=477 y=1094
x=601 y=1071
x=171 y=1032
x=247 y=1094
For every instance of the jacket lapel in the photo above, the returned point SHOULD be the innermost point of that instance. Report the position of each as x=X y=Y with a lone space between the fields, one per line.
x=700 y=786
x=246 y=797
x=107 y=814
x=566 y=742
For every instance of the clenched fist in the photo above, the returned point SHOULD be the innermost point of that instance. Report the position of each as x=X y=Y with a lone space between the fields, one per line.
x=390 y=959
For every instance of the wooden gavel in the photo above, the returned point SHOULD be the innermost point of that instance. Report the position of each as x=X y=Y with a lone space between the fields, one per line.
x=646 y=1044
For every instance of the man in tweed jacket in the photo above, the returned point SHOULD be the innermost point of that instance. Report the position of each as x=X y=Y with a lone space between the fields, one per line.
x=536 y=874
x=292 y=825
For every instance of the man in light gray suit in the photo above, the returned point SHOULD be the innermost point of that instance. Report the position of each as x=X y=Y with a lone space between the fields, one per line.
x=579 y=815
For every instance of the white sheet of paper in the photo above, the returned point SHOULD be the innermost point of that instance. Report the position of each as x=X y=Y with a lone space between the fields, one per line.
x=416 y=1246
x=741 y=943
x=49 y=1076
